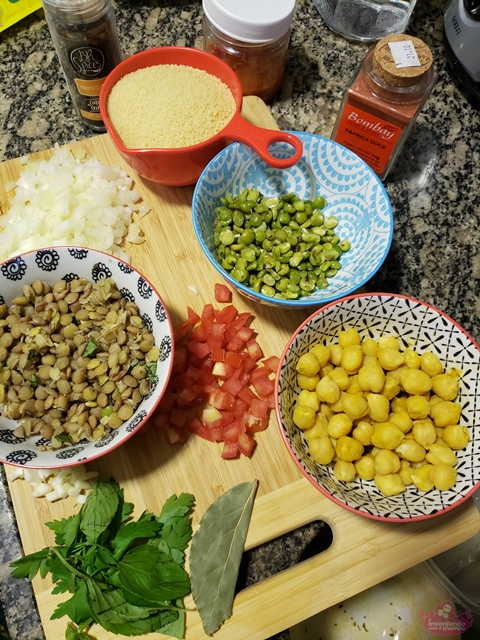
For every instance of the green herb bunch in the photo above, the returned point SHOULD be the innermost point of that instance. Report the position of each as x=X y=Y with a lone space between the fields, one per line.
x=127 y=576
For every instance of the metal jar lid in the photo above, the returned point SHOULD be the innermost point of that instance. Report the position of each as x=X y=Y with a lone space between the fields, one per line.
x=250 y=20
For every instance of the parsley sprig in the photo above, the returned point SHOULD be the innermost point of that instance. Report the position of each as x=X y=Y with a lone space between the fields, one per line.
x=127 y=576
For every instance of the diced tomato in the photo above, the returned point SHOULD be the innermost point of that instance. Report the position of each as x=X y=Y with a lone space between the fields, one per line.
x=246 y=444
x=254 y=423
x=226 y=315
x=222 y=400
x=259 y=408
x=272 y=363
x=200 y=349
x=177 y=434
x=222 y=293
x=178 y=417
x=230 y=450
x=232 y=385
x=235 y=360
x=263 y=386
x=219 y=389
x=211 y=417
x=215 y=336
x=233 y=431
x=254 y=350
x=218 y=355
x=162 y=421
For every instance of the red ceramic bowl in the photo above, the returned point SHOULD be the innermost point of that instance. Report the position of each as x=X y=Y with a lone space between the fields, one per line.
x=183 y=166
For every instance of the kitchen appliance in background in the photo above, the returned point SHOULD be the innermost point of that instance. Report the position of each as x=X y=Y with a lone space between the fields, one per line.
x=365 y=20
x=462 y=43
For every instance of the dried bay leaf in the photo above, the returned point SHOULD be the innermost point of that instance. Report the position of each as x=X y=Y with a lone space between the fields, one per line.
x=216 y=552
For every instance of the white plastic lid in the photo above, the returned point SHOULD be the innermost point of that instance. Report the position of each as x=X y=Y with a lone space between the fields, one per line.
x=250 y=20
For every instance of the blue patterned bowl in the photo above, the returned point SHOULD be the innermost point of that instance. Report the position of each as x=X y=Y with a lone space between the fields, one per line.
x=352 y=190
x=51 y=265
x=421 y=327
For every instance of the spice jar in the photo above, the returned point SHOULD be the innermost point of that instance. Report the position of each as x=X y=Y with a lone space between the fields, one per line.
x=252 y=38
x=86 y=40
x=384 y=99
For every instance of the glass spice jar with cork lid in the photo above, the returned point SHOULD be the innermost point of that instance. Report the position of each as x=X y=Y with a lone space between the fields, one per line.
x=384 y=99
x=252 y=38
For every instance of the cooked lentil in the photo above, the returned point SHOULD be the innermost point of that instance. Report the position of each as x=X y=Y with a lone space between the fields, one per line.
x=75 y=360
x=169 y=106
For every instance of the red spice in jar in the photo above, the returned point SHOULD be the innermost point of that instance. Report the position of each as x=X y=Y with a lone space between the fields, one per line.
x=252 y=38
x=384 y=99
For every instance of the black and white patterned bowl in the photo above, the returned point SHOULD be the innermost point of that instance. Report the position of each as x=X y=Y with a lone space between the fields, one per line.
x=421 y=327
x=50 y=265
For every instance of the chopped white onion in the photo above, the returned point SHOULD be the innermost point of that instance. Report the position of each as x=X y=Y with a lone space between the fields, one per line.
x=56 y=484
x=71 y=200
x=193 y=289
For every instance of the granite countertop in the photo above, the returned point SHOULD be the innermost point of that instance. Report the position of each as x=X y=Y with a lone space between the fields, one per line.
x=435 y=254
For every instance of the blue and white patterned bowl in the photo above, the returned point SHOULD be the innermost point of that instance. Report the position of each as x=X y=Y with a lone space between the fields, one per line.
x=352 y=190
x=421 y=327
x=50 y=265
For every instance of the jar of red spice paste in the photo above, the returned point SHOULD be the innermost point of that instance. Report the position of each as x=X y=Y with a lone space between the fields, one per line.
x=252 y=38
x=383 y=100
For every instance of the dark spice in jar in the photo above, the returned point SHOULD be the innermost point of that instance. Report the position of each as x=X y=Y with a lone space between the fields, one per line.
x=86 y=40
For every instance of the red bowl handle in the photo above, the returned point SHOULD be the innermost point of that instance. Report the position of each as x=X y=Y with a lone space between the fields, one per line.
x=259 y=139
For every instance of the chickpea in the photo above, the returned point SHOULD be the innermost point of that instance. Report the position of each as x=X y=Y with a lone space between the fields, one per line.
x=340 y=377
x=321 y=450
x=348 y=337
x=369 y=347
x=387 y=436
x=386 y=462
x=389 y=358
x=378 y=407
x=348 y=449
x=303 y=417
x=445 y=386
x=421 y=477
x=371 y=377
x=308 y=399
x=410 y=450
x=418 y=407
x=319 y=429
x=354 y=405
x=415 y=382
x=365 y=467
x=352 y=358
x=443 y=476
x=339 y=425
x=344 y=471
x=335 y=355
x=328 y=390
x=430 y=364
x=390 y=484
x=322 y=354
x=446 y=413
x=304 y=382
x=412 y=359
x=308 y=364
x=440 y=454
x=402 y=420
x=391 y=388
x=424 y=432
x=456 y=436
x=363 y=433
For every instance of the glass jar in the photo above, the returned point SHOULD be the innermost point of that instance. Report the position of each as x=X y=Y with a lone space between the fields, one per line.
x=86 y=41
x=384 y=99
x=252 y=38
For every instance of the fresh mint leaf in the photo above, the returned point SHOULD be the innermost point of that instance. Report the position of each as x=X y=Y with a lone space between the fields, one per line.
x=177 y=530
x=175 y=629
x=146 y=527
x=90 y=349
x=99 y=509
x=151 y=368
x=72 y=633
x=76 y=608
x=152 y=575
x=63 y=437
x=66 y=529
x=109 y=607
x=28 y=566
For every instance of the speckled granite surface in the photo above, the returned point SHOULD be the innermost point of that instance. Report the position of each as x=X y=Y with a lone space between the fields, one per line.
x=434 y=187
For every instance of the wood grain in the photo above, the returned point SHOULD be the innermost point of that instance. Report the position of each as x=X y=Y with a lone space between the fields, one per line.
x=363 y=553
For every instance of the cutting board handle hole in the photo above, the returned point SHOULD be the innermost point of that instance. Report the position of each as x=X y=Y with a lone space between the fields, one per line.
x=283 y=552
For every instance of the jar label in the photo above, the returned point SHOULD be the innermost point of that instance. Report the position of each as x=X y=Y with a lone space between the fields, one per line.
x=371 y=138
x=404 y=54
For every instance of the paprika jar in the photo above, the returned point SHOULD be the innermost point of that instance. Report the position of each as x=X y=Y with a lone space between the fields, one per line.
x=252 y=38
x=384 y=99
x=85 y=36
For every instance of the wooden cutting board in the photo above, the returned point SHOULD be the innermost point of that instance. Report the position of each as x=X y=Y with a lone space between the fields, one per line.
x=363 y=552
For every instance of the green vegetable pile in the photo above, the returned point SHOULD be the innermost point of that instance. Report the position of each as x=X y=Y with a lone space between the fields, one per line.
x=127 y=576
x=281 y=247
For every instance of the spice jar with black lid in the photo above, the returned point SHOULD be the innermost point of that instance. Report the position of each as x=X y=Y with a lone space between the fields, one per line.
x=384 y=99
x=252 y=38
x=85 y=36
